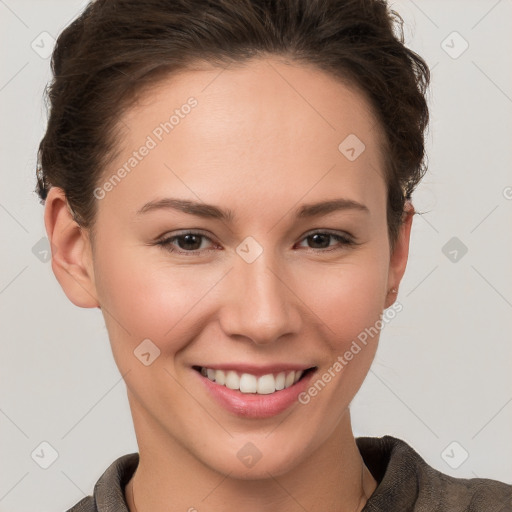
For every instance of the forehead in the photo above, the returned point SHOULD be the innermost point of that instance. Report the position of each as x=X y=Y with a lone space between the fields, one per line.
x=264 y=125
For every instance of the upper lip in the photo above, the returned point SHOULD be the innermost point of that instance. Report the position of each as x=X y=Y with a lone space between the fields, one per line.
x=255 y=369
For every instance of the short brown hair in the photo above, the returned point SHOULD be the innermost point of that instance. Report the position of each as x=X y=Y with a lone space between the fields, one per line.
x=115 y=48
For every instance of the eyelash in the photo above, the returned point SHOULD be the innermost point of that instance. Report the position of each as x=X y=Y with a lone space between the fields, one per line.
x=166 y=243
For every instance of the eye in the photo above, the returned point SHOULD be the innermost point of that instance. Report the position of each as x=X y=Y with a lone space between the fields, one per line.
x=321 y=240
x=189 y=243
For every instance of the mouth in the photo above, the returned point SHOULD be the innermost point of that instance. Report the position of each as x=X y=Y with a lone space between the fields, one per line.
x=251 y=392
x=257 y=383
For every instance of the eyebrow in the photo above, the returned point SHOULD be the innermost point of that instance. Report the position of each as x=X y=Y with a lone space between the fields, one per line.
x=214 y=212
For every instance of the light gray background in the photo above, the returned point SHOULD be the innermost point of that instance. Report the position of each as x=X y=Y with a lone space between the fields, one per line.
x=443 y=369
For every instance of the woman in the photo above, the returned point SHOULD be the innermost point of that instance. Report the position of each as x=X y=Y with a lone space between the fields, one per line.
x=231 y=183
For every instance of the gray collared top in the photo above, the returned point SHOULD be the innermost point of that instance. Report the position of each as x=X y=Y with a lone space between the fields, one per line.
x=405 y=483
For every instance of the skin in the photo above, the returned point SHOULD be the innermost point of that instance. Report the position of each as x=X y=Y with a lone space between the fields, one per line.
x=262 y=141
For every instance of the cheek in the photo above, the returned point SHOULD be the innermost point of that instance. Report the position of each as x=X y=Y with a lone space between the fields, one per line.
x=349 y=298
x=145 y=297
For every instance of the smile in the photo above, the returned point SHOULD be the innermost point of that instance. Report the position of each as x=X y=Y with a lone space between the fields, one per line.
x=248 y=383
x=253 y=391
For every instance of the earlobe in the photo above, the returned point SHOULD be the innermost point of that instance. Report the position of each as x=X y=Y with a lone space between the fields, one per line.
x=400 y=255
x=71 y=251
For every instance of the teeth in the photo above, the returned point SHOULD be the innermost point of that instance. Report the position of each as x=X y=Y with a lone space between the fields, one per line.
x=219 y=377
x=232 y=380
x=266 y=384
x=280 y=381
x=247 y=383
x=290 y=377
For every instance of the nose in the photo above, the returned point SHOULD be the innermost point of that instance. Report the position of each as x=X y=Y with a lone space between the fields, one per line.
x=260 y=304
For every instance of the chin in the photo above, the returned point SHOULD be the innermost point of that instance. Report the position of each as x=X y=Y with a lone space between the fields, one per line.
x=255 y=460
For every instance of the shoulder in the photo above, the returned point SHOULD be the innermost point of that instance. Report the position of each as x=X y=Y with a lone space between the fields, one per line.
x=109 y=489
x=406 y=481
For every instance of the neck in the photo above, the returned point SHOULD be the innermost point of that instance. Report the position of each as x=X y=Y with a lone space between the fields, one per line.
x=169 y=478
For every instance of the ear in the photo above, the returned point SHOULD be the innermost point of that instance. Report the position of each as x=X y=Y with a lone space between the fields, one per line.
x=71 y=251
x=398 y=259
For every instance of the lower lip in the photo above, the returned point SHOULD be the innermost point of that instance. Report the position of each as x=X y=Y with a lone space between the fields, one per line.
x=253 y=405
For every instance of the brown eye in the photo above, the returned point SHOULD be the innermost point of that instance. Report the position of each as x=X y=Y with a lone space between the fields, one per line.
x=185 y=243
x=322 y=240
x=189 y=242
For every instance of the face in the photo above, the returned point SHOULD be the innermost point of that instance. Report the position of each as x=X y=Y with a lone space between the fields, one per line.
x=266 y=258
